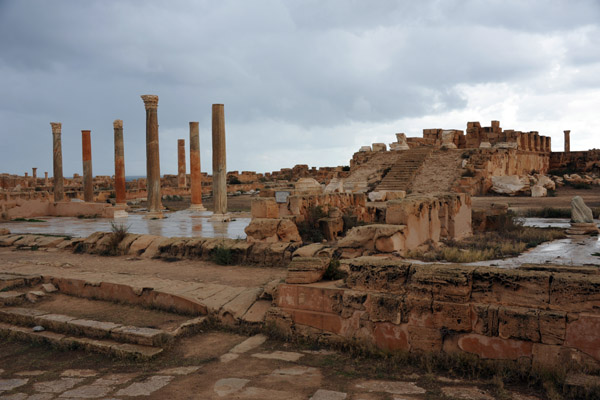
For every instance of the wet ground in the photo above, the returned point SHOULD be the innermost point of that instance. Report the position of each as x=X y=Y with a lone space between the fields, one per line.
x=175 y=224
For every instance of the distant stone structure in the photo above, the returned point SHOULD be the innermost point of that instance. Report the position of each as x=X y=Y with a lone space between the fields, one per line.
x=181 y=181
x=120 y=186
x=567 y=141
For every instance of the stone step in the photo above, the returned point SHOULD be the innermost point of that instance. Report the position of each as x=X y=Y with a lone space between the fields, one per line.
x=12 y=298
x=102 y=346
x=10 y=281
x=64 y=324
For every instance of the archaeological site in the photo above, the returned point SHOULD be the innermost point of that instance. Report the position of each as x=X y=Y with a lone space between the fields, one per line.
x=473 y=248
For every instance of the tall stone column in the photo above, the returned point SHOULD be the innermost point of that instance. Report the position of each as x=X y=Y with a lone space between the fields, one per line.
x=549 y=144
x=46 y=178
x=181 y=183
x=120 y=190
x=567 y=141
x=219 y=164
x=152 y=156
x=195 y=172
x=88 y=180
x=34 y=176
x=59 y=191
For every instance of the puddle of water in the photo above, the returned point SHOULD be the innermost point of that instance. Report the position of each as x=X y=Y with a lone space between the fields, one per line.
x=178 y=223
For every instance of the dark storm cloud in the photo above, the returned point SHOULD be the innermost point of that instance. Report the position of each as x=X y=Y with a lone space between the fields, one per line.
x=291 y=73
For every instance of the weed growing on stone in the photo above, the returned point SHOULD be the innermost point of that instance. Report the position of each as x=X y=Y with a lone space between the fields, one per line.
x=222 y=255
x=118 y=233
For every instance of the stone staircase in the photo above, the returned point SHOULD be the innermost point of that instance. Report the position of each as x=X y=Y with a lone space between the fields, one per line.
x=403 y=171
x=25 y=315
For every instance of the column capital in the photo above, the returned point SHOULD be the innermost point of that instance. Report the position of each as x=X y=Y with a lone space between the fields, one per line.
x=567 y=132
x=56 y=127
x=118 y=124
x=150 y=101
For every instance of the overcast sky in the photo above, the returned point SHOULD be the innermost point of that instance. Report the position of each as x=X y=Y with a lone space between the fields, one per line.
x=303 y=81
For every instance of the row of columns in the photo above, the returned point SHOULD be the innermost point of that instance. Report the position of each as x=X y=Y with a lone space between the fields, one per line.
x=153 y=162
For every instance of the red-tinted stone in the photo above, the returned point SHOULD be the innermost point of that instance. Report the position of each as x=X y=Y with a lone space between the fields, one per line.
x=495 y=348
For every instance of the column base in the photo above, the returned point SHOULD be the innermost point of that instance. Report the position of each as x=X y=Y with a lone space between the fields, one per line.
x=154 y=215
x=197 y=207
x=220 y=218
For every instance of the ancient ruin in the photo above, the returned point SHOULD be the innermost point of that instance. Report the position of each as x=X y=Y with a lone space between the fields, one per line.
x=152 y=156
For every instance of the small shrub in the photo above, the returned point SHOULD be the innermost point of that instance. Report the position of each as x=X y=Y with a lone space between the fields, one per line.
x=581 y=185
x=28 y=220
x=468 y=174
x=309 y=228
x=222 y=255
x=346 y=168
x=333 y=272
x=548 y=212
x=119 y=231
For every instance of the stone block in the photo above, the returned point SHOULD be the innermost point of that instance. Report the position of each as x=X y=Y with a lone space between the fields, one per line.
x=553 y=326
x=264 y=207
x=425 y=339
x=510 y=287
x=443 y=282
x=370 y=273
x=383 y=307
x=494 y=347
x=388 y=336
x=575 y=292
x=306 y=269
x=452 y=316
x=583 y=334
x=518 y=323
x=484 y=319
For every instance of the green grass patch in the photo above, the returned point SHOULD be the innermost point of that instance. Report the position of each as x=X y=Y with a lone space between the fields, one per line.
x=222 y=255
x=28 y=220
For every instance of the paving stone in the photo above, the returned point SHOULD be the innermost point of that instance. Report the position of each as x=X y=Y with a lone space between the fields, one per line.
x=238 y=306
x=256 y=393
x=249 y=344
x=88 y=392
x=41 y=396
x=322 y=352
x=466 y=393
x=140 y=335
x=57 y=386
x=225 y=387
x=296 y=371
x=279 y=355
x=225 y=358
x=393 y=387
x=98 y=329
x=30 y=373
x=114 y=379
x=257 y=312
x=519 y=396
x=10 y=384
x=323 y=394
x=78 y=373
x=219 y=299
x=179 y=370
x=15 y=396
x=146 y=387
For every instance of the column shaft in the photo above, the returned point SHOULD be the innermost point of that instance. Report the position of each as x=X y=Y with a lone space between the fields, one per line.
x=59 y=192
x=88 y=183
x=195 y=171
x=181 y=181
x=567 y=141
x=152 y=154
x=219 y=159
x=120 y=190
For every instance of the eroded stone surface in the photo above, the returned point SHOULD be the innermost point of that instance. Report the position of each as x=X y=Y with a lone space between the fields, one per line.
x=279 y=355
x=466 y=393
x=146 y=387
x=179 y=370
x=78 y=373
x=391 y=387
x=227 y=386
x=10 y=384
x=323 y=394
x=57 y=386
x=87 y=392
x=249 y=344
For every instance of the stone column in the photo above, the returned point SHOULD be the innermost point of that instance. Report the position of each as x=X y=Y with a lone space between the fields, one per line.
x=88 y=180
x=152 y=156
x=549 y=144
x=536 y=142
x=181 y=163
x=219 y=164
x=46 y=178
x=34 y=176
x=120 y=190
x=59 y=191
x=567 y=141
x=195 y=174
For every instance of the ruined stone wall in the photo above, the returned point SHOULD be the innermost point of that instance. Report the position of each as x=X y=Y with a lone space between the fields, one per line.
x=347 y=203
x=576 y=161
x=548 y=317
x=485 y=163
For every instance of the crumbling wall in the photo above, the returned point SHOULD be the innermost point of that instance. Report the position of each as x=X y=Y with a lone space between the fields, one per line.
x=549 y=317
x=576 y=161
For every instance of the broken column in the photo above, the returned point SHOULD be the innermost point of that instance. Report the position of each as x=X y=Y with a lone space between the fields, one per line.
x=46 y=178
x=59 y=192
x=152 y=156
x=195 y=173
x=181 y=163
x=34 y=176
x=88 y=183
x=120 y=190
x=582 y=219
x=567 y=141
x=219 y=164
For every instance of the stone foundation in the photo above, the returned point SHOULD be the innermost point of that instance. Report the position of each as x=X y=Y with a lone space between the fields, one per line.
x=548 y=318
